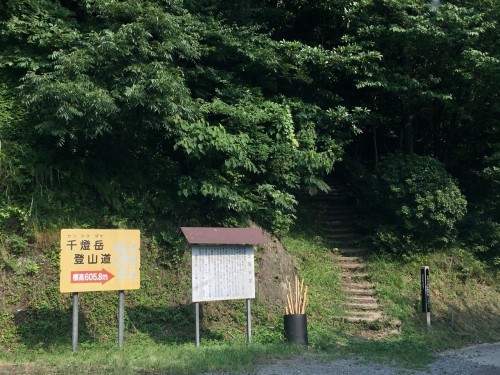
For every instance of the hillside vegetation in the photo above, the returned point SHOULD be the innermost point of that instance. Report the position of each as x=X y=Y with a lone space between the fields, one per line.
x=157 y=114
x=159 y=335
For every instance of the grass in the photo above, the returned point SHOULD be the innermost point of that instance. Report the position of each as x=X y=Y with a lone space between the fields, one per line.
x=465 y=298
x=145 y=358
x=315 y=265
x=159 y=337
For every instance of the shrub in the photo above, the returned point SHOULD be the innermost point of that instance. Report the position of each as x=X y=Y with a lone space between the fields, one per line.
x=415 y=204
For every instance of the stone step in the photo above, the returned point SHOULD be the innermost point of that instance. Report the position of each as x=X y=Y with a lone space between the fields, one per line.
x=343 y=258
x=346 y=225
x=358 y=276
x=341 y=235
x=361 y=299
x=338 y=229
x=361 y=292
x=330 y=217
x=352 y=266
x=359 y=319
x=359 y=285
x=354 y=271
x=346 y=221
x=362 y=306
x=345 y=238
x=366 y=313
x=362 y=317
x=337 y=216
x=342 y=244
x=352 y=251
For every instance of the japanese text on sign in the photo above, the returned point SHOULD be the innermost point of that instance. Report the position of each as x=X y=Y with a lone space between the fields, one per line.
x=222 y=272
x=99 y=259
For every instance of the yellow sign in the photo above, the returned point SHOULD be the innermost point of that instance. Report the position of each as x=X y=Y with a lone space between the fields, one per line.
x=99 y=260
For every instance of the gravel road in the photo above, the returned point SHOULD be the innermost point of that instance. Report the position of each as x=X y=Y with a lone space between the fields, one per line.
x=481 y=359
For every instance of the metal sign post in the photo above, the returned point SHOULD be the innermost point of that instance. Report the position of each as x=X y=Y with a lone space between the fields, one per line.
x=249 y=323
x=121 y=317
x=75 y=323
x=425 y=294
x=197 y=318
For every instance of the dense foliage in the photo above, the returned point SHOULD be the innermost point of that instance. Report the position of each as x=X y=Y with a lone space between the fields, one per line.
x=156 y=113
x=160 y=113
x=415 y=204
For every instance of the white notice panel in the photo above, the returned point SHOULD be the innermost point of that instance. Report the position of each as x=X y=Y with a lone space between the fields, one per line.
x=221 y=272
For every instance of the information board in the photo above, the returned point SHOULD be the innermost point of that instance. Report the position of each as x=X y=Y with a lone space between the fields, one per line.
x=99 y=260
x=222 y=272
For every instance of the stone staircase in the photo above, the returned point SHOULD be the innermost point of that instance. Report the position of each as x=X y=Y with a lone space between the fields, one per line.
x=335 y=214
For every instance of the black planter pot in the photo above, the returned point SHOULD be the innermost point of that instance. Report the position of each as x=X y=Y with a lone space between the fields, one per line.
x=296 y=328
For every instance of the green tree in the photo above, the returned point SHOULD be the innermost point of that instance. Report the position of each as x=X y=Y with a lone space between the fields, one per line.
x=426 y=86
x=152 y=103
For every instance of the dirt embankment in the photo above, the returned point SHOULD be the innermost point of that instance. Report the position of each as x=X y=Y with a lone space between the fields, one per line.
x=274 y=266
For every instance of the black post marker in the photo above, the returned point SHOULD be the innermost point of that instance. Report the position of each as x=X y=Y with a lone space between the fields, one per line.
x=425 y=294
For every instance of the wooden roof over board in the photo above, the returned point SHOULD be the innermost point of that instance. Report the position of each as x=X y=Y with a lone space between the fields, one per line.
x=223 y=236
